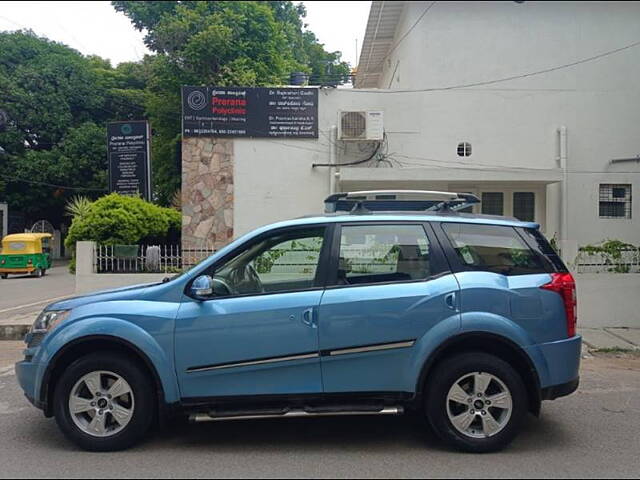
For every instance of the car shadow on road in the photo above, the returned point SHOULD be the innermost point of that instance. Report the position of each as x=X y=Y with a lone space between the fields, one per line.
x=337 y=433
x=306 y=435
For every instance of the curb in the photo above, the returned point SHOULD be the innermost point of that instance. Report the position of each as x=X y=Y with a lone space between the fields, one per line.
x=13 y=332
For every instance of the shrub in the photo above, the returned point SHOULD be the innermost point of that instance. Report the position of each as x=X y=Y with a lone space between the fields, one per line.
x=116 y=219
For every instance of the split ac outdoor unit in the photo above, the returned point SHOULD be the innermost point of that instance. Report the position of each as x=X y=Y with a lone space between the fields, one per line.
x=361 y=126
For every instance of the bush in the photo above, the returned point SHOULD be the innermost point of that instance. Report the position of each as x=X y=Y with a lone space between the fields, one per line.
x=117 y=220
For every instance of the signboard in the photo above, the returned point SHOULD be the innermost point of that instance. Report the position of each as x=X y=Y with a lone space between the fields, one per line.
x=250 y=112
x=129 y=158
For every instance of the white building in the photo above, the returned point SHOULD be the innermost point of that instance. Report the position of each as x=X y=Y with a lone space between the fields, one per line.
x=531 y=105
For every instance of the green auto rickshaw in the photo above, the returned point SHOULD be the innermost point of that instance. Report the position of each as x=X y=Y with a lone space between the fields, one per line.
x=25 y=253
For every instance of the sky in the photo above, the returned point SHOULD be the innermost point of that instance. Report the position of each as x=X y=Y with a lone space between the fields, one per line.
x=95 y=28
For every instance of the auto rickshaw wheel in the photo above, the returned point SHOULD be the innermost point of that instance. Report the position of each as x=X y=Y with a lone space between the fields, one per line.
x=38 y=272
x=4 y=276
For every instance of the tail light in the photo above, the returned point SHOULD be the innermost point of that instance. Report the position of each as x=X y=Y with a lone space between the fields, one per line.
x=2 y=262
x=564 y=285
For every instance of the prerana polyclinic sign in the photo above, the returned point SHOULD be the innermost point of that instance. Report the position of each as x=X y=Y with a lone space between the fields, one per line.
x=250 y=112
x=129 y=158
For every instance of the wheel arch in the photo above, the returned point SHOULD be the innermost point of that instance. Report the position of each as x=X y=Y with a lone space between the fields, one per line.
x=88 y=344
x=493 y=344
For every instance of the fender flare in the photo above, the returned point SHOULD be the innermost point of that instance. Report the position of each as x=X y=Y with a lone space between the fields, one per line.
x=137 y=340
x=534 y=389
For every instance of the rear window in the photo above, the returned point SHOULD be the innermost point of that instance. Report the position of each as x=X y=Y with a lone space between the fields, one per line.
x=495 y=249
x=536 y=240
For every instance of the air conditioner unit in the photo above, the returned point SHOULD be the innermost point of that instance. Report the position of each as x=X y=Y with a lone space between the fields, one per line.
x=361 y=126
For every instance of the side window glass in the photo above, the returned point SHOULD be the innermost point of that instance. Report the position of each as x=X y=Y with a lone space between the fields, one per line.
x=383 y=253
x=284 y=262
x=494 y=249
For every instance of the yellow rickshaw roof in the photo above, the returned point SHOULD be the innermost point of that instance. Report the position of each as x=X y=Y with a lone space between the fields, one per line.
x=26 y=237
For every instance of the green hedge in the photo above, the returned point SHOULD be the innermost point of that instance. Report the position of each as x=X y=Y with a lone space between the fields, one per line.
x=117 y=219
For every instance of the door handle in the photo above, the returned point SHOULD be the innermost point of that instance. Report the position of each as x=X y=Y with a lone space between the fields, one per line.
x=450 y=300
x=307 y=318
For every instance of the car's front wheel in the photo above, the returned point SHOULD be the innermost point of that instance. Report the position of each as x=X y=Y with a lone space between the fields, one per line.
x=104 y=402
x=476 y=402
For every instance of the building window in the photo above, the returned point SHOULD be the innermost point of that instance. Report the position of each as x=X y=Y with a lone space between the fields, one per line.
x=493 y=203
x=524 y=206
x=464 y=149
x=615 y=200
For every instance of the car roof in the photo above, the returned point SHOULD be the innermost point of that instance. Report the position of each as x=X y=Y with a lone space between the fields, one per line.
x=442 y=217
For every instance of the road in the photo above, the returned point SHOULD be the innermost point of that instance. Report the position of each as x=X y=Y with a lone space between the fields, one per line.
x=593 y=433
x=20 y=290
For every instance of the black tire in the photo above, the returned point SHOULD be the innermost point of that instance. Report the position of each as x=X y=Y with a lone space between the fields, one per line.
x=141 y=386
x=4 y=276
x=449 y=372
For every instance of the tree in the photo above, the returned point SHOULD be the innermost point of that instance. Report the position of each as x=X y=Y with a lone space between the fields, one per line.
x=218 y=43
x=58 y=103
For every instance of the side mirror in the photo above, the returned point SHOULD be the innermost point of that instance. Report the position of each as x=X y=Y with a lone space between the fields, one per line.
x=202 y=287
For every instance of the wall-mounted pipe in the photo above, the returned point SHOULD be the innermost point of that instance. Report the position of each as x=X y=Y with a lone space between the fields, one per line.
x=564 y=192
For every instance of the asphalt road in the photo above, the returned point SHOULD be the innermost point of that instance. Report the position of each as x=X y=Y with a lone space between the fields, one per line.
x=593 y=433
x=19 y=290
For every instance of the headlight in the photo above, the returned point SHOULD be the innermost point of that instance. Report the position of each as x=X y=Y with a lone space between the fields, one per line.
x=49 y=319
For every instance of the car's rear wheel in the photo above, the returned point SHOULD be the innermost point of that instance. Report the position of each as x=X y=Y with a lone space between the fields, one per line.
x=476 y=402
x=104 y=402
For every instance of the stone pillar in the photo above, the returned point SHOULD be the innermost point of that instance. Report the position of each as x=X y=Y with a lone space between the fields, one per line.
x=207 y=192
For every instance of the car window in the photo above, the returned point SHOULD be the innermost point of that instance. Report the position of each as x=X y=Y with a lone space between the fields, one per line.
x=17 y=246
x=383 y=253
x=286 y=261
x=493 y=248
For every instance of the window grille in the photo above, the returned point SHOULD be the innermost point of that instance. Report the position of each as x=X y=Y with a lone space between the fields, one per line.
x=493 y=203
x=524 y=206
x=615 y=200
x=464 y=149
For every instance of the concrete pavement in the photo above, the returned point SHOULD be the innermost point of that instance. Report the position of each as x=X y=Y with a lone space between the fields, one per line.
x=591 y=434
x=23 y=297
x=20 y=290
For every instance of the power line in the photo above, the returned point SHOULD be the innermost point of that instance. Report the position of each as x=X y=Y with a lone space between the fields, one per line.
x=63 y=187
x=426 y=10
x=506 y=79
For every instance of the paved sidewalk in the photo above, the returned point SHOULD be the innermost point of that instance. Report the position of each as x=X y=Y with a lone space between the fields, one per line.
x=611 y=338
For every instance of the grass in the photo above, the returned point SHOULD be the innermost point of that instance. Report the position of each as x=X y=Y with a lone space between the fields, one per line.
x=617 y=351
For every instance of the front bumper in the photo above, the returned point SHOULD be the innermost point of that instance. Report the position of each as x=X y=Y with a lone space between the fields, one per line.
x=27 y=373
x=17 y=270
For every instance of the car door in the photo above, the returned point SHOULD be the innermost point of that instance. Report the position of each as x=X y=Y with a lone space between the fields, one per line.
x=390 y=284
x=257 y=334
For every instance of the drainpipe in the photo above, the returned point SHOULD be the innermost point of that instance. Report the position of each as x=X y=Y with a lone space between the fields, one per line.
x=564 y=192
x=334 y=176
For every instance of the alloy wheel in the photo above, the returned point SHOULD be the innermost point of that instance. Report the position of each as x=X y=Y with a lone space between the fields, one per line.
x=101 y=404
x=479 y=405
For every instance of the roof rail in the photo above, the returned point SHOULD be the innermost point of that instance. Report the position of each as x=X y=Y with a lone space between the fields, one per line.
x=388 y=200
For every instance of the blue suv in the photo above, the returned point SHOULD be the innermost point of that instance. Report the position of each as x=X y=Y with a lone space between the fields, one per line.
x=391 y=302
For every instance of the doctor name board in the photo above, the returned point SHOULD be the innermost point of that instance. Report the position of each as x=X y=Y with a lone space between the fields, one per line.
x=129 y=158
x=273 y=112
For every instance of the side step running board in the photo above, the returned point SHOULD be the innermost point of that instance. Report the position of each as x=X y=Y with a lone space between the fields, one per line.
x=206 y=417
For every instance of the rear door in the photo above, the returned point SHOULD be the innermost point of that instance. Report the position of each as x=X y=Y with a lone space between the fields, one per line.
x=500 y=274
x=389 y=284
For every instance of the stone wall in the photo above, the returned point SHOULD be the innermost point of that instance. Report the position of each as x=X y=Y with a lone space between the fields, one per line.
x=207 y=192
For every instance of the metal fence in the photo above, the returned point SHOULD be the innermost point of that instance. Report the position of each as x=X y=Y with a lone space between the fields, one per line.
x=147 y=258
x=629 y=262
